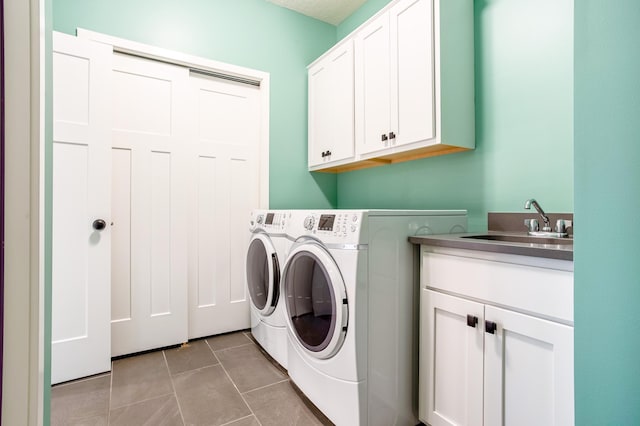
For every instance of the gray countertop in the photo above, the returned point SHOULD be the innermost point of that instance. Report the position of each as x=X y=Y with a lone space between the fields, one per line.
x=550 y=251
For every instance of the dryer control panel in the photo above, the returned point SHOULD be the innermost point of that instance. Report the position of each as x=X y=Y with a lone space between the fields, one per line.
x=341 y=226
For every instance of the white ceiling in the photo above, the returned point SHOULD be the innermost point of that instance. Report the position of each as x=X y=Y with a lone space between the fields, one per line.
x=331 y=11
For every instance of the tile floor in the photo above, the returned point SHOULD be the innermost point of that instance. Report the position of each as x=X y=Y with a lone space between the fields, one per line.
x=222 y=380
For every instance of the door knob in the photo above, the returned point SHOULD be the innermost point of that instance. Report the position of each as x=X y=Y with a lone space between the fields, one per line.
x=99 y=224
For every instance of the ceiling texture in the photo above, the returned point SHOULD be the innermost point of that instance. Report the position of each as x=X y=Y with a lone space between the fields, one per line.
x=330 y=11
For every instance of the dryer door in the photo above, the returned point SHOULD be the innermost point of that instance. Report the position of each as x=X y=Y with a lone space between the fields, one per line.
x=263 y=274
x=316 y=300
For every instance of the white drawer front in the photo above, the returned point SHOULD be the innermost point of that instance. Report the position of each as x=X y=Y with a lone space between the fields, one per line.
x=547 y=293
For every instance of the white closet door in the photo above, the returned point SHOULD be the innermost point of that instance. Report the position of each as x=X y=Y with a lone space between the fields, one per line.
x=149 y=252
x=224 y=166
x=81 y=336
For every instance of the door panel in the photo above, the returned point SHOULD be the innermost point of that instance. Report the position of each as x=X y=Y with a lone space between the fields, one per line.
x=412 y=69
x=160 y=241
x=206 y=236
x=243 y=197
x=121 y=240
x=331 y=111
x=320 y=104
x=141 y=102
x=81 y=194
x=451 y=355
x=70 y=257
x=528 y=370
x=372 y=65
x=223 y=158
x=149 y=191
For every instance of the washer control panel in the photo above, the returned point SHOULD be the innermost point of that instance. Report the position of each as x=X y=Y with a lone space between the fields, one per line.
x=269 y=220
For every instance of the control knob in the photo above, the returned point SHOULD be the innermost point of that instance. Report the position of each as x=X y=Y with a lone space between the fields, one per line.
x=309 y=221
x=260 y=219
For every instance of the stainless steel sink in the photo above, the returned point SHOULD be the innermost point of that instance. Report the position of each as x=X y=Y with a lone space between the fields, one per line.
x=521 y=239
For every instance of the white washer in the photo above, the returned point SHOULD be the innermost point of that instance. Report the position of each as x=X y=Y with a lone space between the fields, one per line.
x=350 y=284
x=267 y=250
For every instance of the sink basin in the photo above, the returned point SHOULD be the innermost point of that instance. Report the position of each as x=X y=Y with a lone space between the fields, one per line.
x=520 y=239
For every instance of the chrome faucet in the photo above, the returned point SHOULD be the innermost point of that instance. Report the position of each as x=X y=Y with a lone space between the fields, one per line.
x=534 y=203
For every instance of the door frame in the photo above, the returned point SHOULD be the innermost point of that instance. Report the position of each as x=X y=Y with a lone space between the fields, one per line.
x=27 y=72
x=207 y=66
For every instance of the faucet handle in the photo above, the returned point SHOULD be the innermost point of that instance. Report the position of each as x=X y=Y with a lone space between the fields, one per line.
x=532 y=225
x=562 y=225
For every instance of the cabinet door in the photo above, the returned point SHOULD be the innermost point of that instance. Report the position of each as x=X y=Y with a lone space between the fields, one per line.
x=451 y=353
x=331 y=107
x=412 y=71
x=372 y=90
x=528 y=371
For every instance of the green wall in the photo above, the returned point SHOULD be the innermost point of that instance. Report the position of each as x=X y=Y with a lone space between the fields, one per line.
x=524 y=116
x=250 y=33
x=607 y=202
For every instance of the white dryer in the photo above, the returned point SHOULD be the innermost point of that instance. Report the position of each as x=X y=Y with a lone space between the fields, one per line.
x=267 y=250
x=350 y=285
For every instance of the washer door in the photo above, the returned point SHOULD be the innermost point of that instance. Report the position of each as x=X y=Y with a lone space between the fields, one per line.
x=263 y=274
x=316 y=300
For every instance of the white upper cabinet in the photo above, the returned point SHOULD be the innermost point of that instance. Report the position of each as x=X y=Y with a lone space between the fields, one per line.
x=331 y=121
x=395 y=70
x=414 y=85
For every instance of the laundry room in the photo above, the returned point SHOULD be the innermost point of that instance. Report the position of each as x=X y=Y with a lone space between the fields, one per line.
x=304 y=212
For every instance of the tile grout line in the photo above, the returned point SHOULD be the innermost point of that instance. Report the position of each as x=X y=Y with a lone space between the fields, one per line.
x=270 y=384
x=234 y=385
x=175 y=394
x=143 y=400
x=80 y=380
x=241 y=418
x=230 y=347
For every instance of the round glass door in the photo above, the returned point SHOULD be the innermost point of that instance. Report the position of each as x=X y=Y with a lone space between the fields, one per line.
x=263 y=274
x=315 y=300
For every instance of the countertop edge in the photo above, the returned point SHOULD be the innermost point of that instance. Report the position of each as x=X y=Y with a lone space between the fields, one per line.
x=453 y=241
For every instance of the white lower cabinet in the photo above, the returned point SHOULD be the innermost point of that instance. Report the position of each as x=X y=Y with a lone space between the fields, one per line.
x=481 y=364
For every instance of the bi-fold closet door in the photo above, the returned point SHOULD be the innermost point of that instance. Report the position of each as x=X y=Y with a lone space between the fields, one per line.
x=184 y=160
x=148 y=204
x=185 y=177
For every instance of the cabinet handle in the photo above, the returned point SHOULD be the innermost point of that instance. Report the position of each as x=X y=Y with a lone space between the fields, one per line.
x=490 y=327
x=472 y=321
x=384 y=137
x=392 y=135
x=328 y=153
